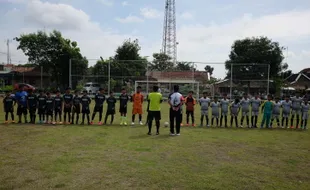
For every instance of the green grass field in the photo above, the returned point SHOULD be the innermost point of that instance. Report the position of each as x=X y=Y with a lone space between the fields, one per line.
x=119 y=157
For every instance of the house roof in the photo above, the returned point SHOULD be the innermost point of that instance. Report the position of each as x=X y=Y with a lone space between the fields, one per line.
x=306 y=70
x=295 y=77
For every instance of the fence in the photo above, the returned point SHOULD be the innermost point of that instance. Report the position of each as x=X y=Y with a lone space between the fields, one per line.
x=233 y=79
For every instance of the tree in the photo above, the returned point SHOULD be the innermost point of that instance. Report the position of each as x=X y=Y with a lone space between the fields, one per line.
x=209 y=69
x=127 y=60
x=161 y=62
x=53 y=52
x=185 y=66
x=250 y=54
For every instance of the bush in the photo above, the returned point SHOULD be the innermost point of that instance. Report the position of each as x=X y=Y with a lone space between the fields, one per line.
x=7 y=88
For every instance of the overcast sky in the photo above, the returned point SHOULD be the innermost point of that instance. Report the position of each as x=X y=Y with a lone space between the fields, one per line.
x=206 y=29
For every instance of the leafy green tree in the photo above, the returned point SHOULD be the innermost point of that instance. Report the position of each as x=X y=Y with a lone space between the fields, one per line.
x=250 y=54
x=161 y=62
x=209 y=69
x=53 y=52
x=185 y=66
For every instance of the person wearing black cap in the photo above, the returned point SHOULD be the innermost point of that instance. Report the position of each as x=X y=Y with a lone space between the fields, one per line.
x=99 y=100
x=68 y=98
x=175 y=100
x=85 y=101
x=58 y=104
x=76 y=107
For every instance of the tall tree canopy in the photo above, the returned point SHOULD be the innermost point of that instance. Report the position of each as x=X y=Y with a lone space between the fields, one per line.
x=126 y=65
x=185 y=66
x=53 y=52
x=161 y=62
x=252 y=53
x=209 y=69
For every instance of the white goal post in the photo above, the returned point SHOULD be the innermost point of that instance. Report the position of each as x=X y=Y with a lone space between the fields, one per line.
x=168 y=86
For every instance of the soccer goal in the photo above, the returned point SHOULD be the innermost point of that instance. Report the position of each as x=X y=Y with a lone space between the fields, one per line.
x=166 y=87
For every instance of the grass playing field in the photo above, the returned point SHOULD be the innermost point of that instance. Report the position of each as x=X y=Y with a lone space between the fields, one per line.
x=119 y=157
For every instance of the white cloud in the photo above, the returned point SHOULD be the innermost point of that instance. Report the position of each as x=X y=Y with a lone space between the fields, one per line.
x=73 y=23
x=125 y=3
x=106 y=2
x=129 y=19
x=187 y=15
x=150 y=13
x=211 y=43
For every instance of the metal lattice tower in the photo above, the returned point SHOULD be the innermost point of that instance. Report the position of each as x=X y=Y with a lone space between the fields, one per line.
x=169 y=44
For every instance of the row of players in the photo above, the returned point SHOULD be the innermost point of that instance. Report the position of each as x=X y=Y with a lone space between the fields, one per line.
x=295 y=107
x=48 y=106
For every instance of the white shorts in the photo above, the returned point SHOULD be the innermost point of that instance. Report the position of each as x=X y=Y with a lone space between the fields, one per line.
x=255 y=113
x=245 y=113
x=305 y=116
x=205 y=112
x=296 y=112
x=275 y=116
x=285 y=115
x=224 y=113
x=215 y=115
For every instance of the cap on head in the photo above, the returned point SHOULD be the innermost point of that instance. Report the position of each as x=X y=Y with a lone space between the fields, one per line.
x=68 y=88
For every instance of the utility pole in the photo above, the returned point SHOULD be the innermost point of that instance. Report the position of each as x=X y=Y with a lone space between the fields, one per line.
x=8 y=55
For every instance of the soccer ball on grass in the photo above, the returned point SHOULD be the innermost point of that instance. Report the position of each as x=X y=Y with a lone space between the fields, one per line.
x=166 y=124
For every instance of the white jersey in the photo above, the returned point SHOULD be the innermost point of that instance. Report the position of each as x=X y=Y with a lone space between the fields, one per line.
x=175 y=99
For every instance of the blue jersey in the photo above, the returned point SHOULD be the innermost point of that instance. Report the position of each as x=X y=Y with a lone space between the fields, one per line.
x=21 y=98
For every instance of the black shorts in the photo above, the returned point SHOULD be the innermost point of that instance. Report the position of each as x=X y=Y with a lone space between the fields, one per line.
x=57 y=110
x=21 y=110
x=9 y=110
x=154 y=115
x=85 y=110
x=76 y=109
x=110 y=112
x=98 y=109
x=67 y=109
x=41 y=111
x=123 y=109
x=189 y=112
x=32 y=110
x=49 y=112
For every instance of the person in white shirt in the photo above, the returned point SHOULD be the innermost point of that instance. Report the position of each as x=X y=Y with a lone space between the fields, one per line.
x=175 y=101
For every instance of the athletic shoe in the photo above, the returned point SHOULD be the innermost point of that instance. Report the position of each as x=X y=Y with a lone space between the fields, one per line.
x=292 y=127
x=141 y=123
x=187 y=125
x=100 y=123
x=172 y=134
x=125 y=123
x=54 y=123
x=60 y=123
x=6 y=122
x=91 y=123
x=181 y=124
x=193 y=125
x=178 y=134
x=149 y=133
x=297 y=127
x=13 y=121
x=241 y=126
x=208 y=125
x=121 y=123
x=132 y=123
x=157 y=133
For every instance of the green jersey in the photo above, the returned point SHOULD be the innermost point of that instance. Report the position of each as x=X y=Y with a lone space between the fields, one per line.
x=268 y=106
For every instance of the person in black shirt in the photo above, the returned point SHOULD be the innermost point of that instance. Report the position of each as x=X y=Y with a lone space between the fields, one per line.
x=123 y=98
x=68 y=98
x=85 y=101
x=111 y=108
x=8 y=107
x=49 y=108
x=32 y=103
x=41 y=106
x=99 y=100
x=76 y=107
x=58 y=103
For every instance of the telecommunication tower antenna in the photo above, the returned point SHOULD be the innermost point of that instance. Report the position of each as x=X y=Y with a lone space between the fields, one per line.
x=169 y=44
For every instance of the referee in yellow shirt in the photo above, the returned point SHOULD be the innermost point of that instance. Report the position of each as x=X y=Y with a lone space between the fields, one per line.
x=154 y=99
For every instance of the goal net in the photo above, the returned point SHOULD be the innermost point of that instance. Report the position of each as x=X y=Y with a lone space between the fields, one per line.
x=166 y=87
